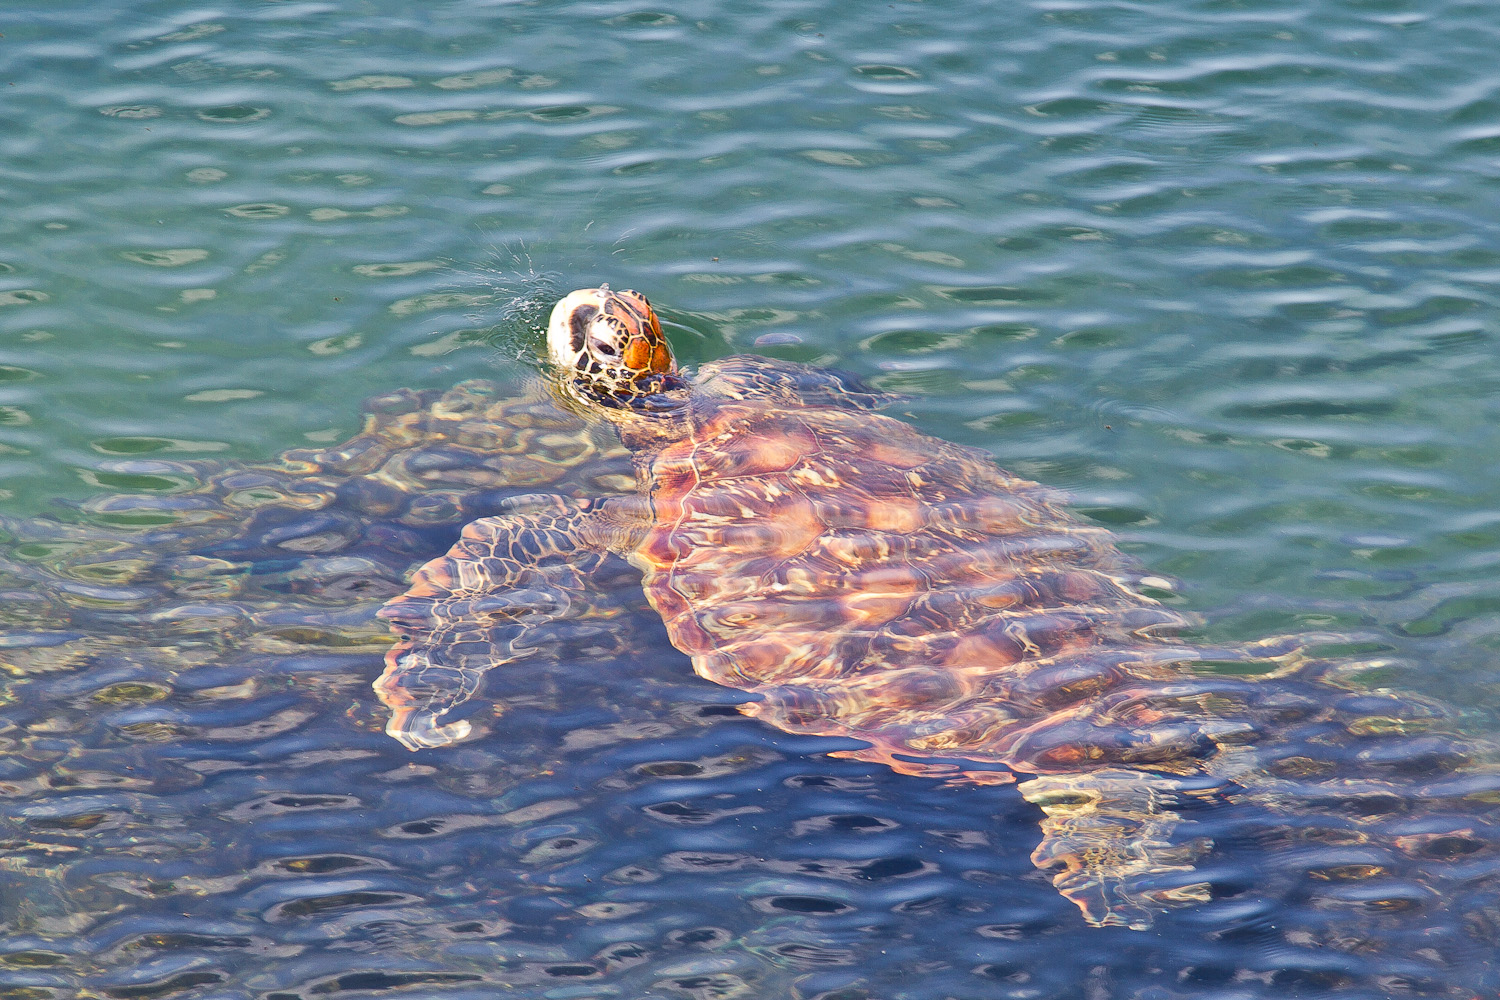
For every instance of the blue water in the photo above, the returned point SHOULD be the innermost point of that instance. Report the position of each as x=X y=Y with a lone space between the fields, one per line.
x=1224 y=271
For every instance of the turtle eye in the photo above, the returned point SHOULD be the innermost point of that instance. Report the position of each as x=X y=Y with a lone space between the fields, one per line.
x=605 y=348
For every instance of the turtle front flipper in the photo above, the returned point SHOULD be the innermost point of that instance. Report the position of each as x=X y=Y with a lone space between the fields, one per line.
x=1108 y=842
x=481 y=605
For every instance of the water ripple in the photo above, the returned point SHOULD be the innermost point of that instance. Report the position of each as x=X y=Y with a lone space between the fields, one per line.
x=1226 y=272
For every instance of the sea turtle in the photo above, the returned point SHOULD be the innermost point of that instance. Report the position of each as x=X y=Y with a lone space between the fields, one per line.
x=866 y=580
x=168 y=655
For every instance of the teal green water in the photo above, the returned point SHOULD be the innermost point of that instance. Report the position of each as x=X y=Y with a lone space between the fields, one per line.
x=1224 y=270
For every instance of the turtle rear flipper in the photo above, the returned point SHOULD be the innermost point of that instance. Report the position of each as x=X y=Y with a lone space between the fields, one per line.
x=482 y=605
x=1109 y=842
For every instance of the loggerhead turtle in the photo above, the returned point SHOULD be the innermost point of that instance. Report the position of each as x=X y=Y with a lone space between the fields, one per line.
x=866 y=580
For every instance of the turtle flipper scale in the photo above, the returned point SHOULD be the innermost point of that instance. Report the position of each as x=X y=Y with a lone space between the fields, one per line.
x=1108 y=843
x=481 y=605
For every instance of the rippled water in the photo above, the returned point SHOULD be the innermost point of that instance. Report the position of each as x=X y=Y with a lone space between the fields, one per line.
x=1224 y=271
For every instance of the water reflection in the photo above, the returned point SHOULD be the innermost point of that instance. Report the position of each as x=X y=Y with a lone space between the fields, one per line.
x=199 y=800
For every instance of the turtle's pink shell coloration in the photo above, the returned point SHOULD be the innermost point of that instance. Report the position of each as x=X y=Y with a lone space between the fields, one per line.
x=868 y=580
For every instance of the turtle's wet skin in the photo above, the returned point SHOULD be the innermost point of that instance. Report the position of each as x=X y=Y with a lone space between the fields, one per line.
x=865 y=580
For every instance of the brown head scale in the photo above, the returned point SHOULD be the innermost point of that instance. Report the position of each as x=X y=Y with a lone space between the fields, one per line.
x=609 y=343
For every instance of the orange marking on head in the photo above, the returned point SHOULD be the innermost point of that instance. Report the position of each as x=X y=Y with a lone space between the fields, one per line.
x=614 y=335
x=637 y=356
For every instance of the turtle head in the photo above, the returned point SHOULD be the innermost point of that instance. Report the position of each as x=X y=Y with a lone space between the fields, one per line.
x=609 y=344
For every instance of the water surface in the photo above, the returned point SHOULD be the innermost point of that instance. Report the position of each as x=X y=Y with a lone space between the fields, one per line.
x=1224 y=271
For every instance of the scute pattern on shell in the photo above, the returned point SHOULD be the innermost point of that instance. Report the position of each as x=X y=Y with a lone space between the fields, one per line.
x=1371 y=815
x=866 y=579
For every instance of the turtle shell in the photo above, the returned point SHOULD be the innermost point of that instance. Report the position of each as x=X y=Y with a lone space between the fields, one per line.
x=865 y=580
x=868 y=580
